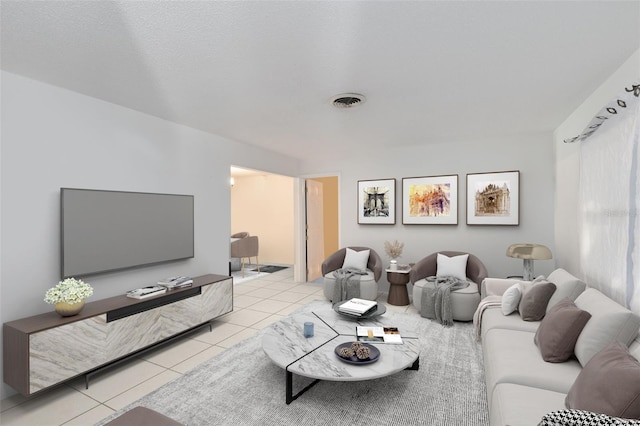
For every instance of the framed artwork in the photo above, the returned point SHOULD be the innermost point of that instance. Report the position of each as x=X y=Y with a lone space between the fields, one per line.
x=377 y=202
x=430 y=200
x=493 y=198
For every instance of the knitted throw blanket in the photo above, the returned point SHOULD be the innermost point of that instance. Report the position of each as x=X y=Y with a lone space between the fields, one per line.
x=486 y=303
x=436 y=298
x=347 y=284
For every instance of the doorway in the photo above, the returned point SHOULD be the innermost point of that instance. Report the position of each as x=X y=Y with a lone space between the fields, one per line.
x=321 y=223
x=282 y=227
x=261 y=204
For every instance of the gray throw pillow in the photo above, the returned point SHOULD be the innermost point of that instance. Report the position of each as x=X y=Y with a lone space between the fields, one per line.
x=608 y=384
x=559 y=330
x=533 y=304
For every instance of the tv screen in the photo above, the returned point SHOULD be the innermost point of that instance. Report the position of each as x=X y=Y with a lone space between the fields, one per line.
x=104 y=231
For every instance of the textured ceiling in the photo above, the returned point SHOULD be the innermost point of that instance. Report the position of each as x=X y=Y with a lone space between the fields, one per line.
x=264 y=72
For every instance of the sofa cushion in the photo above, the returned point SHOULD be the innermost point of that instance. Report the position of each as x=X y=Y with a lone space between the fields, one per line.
x=567 y=286
x=510 y=356
x=609 y=384
x=495 y=286
x=356 y=259
x=511 y=299
x=517 y=405
x=493 y=318
x=609 y=322
x=535 y=299
x=455 y=266
x=559 y=330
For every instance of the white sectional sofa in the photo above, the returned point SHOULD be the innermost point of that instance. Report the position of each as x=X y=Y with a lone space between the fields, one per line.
x=521 y=386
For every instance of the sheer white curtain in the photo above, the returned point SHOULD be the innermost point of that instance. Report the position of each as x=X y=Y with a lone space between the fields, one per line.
x=609 y=203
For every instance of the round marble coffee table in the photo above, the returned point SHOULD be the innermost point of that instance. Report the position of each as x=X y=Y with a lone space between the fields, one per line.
x=314 y=357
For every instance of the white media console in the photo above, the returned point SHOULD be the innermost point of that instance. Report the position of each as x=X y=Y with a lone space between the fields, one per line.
x=47 y=349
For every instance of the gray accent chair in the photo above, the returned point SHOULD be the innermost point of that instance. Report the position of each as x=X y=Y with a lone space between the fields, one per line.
x=464 y=302
x=245 y=248
x=368 y=283
x=234 y=262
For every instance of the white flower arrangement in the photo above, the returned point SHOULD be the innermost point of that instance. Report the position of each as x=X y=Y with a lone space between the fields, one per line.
x=70 y=291
x=393 y=250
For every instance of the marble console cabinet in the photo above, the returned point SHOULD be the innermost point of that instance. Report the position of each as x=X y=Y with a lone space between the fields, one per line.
x=47 y=349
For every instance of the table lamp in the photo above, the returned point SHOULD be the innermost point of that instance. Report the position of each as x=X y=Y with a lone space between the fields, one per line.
x=529 y=253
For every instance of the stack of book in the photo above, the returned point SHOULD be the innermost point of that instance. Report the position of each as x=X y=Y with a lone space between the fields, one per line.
x=175 y=282
x=144 y=292
x=358 y=307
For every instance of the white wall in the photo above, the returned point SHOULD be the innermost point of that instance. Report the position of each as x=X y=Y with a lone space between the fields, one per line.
x=263 y=206
x=567 y=162
x=53 y=138
x=531 y=154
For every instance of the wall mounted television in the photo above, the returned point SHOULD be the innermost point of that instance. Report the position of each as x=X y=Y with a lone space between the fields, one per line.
x=103 y=231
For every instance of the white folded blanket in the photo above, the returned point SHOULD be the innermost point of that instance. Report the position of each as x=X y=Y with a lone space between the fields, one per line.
x=486 y=303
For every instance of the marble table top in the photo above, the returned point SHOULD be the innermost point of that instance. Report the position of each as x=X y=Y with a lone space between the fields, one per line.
x=314 y=357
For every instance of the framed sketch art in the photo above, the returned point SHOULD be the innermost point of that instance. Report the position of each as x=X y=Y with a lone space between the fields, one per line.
x=430 y=200
x=377 y=202
x=493 y=198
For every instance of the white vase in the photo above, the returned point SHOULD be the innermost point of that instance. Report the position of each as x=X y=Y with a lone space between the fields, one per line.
x=393 y=265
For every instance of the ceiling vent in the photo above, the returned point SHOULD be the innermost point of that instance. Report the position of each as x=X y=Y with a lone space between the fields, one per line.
x=348 y=100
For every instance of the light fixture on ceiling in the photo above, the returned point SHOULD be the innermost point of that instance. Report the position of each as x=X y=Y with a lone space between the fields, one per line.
x=348 y=100
x=529 y=253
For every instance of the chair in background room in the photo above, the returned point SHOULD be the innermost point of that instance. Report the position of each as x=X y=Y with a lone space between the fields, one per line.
x=240 y=235
x=245 y=248
x=464 y=302
x=368 y=282
x=234 y=262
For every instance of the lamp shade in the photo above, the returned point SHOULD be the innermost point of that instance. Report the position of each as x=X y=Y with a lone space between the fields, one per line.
x=529 y=251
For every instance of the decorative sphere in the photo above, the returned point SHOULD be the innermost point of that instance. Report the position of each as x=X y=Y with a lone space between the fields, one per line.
x=363 y=352
x=346 y=353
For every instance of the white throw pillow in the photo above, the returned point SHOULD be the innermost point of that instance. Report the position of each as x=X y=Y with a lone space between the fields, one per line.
x=356 y=259
x=455 y=266
x=511 y=298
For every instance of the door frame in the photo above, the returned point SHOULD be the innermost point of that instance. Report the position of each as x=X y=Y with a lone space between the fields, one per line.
x=299 y=216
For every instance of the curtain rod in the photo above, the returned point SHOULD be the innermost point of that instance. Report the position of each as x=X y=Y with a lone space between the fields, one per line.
x=623 y=102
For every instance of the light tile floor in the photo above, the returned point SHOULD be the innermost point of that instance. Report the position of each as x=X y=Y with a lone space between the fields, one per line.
x=257 y=304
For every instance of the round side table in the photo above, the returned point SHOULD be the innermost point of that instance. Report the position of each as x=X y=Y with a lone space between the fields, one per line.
x=398 y=294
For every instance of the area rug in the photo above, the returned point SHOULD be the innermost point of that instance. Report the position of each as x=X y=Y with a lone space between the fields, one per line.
x=270 y=269
x=241 y=386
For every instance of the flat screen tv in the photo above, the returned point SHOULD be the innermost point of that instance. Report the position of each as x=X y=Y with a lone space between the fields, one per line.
x=103 y=231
